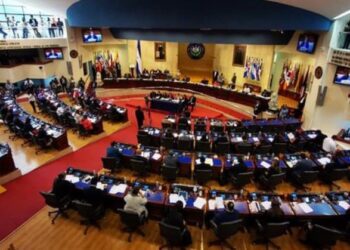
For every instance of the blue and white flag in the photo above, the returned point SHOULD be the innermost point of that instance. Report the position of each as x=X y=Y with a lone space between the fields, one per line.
x=138 y=59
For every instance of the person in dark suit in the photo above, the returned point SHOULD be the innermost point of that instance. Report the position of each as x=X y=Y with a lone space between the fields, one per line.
x=228 y=215
x=170 y=160
x=43 y=136
x=221 y=138
x=268 y=172
x=202 y=165
x=192 y=102
x=168 y=133
x=301 y=166
x=275 y=213
x=93 y=195
x=257 y=109
x=112 y=151
x=61 y=187
x=204 y=137
x=139 y=117
x=175 y=218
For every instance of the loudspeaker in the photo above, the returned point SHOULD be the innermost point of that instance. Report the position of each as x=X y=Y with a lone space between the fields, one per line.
x=69 y=68
x=321 y=94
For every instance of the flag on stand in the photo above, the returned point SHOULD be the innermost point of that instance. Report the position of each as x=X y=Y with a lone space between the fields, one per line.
x=138 y=59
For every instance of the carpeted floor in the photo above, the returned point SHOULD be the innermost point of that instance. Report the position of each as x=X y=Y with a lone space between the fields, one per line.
x=22 y=199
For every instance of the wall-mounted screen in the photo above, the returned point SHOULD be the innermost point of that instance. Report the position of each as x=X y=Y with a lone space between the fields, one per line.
x=92 y=35
x=342 y=76
x=307 y=43
x=54 y=53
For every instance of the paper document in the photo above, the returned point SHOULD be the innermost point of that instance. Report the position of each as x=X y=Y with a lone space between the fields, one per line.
x=69 y=177
x=265 y=164
x=312 y=136
x=156 y=156
x=255 y=139
x=344 y=205
x=173 y=198
x=198 y=161
x=324 y=160
x=118 y=189
x=291 y=136
x=305 y=207
x=100 y=185
x=211 y=204
x=199 y=203
x=239 y=139
x=219 y=201
x=209 y=161
x=266 y=204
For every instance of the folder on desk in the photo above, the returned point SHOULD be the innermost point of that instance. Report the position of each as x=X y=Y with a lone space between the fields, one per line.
x=344 y=205
x=209 y=161
x=265 y=164
x=305 y=207
x=266 y=204
x=212 y=204
x=324 y=160
x=219 y=202
x=199 y=202
x=156 y=156
x=239 y=139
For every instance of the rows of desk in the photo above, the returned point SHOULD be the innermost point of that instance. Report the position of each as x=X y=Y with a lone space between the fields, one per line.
x=57 y=133
x=221 y=164
x=202 y=202
x=217 y=92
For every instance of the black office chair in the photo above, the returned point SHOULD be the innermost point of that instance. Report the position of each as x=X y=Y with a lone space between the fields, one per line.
x=271 y=231
x=169 y=173
x=254 y=128
x=172 y=235
x=186 y=145
x=272 y=182
x=203 y=146
x=320 y=237
x=222 y=148
x=203 y=176
x=242 y=179
x=132 y=222
x=217 y=129
x=60 y=204
x=225 y=231
x=298 y=147
x=82 y=131
x=144 y=140
x=279 y=148
x=200 y=127
x=335 y=174
x=238 y=129
x=167 y=142
x=244 y=148
x=184 y=126
x=139 y=166
x=306 y=177
x=90 y=214
x=263 y=149
x=112 y=164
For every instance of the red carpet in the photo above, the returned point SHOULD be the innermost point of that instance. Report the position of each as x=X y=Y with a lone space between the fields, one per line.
x=22 y=199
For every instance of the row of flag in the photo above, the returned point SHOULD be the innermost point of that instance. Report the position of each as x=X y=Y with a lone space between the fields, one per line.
x=253 y=68
x=106 y=60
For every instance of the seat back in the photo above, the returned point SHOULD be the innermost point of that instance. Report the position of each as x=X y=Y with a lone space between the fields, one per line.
x=173 y=235
x=238 y=129
x=200 y=127
x=203 y=146
x=222 y=148
x=243 y=179
x=183 y=126
x=185 y=145
x=337 y=174
x=244 y=148
x=144 y=140
x=138 y=165
x=85 y=209
x=129 y=218
x=276 y=179
x=322 y=237
x=264 y=149
x=308 y=176
x=167 y=142
x=203 y=176
x=273 y=230
x=227 y=229
x=279 y=148
x=51 y=199
x=110 y=163
x=169 y=172
x=217 y=128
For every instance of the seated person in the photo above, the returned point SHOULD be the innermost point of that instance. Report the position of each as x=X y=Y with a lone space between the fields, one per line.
x=301 y=166
x=202 y=165
x=44 y=137
x=284 y=112
x=275 y=213
x=60 y=111
x=228 y=215
x=78 y=117
x=221 y=138
x=272 y=170
x=329 y=145
x=168 y=133
x=278 y=138
x=204 y=137
x=136 y=202
x=113 y=152
x=86 y=123
x=183 y=120
x=94 y=196
x=273 y=103
x=175 y=218
x=61 y=187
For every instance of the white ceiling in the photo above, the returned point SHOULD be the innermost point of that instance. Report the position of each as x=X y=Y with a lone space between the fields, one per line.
x=328 y=8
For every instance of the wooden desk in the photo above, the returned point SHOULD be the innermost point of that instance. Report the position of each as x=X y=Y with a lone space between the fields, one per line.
x=7 y=164
x=217 y=92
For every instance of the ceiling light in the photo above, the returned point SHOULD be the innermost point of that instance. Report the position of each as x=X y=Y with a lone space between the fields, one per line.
x=342 y=15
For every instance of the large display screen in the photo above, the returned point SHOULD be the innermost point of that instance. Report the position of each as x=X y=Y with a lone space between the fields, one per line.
x=342 y=76
x=52 y=54
x=92 y=36
x=307 y=43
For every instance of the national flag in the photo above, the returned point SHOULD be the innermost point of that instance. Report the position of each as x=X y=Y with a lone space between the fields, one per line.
x=138 y=59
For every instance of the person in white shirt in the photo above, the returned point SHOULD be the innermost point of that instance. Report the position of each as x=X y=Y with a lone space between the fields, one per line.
x=60 y=111
x=246 y=90
x=77 y=117
x=25 y=30
x=329 y=145
x=136 y=202
x=31 y=99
